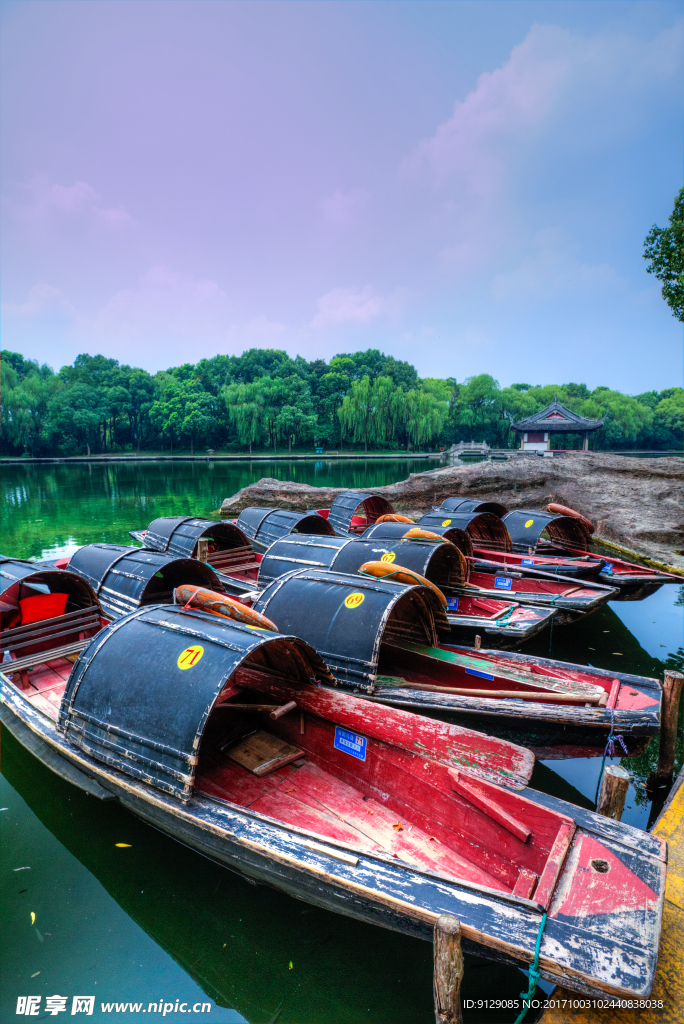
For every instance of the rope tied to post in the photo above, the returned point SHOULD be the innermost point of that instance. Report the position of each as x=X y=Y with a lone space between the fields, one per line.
x=609 y=750
x=535 y=974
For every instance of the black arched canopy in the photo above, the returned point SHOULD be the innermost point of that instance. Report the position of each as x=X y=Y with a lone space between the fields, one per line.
x=299 y=551
x=486 y=530
x=460 y=538
x=263 y=526
x=228 y=549
x=125 y=578
x=354 y=511
x=526 y=529
x=139 y=696
x=348 y=618
x=458 y=504
x=442 y=564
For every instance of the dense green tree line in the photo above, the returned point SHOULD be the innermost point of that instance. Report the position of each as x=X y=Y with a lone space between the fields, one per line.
x=264 y=401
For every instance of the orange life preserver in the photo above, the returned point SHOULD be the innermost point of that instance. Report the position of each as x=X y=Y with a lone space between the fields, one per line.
x=563 y=510
x=221 y=605
x=417 y=533
x=394 y=517
x=400 y=575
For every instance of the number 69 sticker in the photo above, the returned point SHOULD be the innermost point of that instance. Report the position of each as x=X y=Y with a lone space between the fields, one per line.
x=354 y=600
x=190 y=656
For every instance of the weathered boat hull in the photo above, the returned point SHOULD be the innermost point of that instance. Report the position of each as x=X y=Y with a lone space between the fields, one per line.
x=612 y=953
x=510 y=631
x=553 y=733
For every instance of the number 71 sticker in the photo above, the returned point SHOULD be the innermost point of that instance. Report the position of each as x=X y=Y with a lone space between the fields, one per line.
x=190 y=656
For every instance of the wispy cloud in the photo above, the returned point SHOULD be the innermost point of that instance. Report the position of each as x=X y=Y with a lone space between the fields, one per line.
x=553 y=269
x=342 y=208
x=165 y=301
x=43 y=199
x=41 y=299
x=359 y=306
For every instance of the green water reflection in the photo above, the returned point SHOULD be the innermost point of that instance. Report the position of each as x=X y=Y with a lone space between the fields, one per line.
x=49 y=507
x=155 y=920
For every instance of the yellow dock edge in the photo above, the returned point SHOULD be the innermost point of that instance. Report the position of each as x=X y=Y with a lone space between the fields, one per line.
x=668 y=987
x=652 y=563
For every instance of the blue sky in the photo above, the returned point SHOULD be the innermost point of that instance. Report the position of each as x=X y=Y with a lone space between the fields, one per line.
x=466 y=185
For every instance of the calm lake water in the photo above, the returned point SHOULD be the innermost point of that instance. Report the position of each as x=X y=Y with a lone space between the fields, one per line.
x=156 y=922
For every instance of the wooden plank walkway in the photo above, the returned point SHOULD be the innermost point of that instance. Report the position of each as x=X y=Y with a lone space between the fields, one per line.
x=669 y=981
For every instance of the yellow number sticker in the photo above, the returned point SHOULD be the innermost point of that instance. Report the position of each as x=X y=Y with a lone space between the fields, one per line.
x=389 y=556
x=354 y=600
x=447 y=522
x=190 y=656
x=529 y=523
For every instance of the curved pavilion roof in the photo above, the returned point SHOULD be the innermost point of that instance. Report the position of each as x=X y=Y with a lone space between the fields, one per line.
x=558 y=420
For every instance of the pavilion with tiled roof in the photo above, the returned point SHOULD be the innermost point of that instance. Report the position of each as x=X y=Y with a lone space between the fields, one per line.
x=535 y=431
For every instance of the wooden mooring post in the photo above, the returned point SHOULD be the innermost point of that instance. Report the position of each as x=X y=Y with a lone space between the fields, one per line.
x=448 y=970
x=202 y=549
x=669 y=716
x=614 y=785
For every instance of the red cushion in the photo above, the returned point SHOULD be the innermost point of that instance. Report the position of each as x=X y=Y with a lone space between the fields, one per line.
x=43 y=606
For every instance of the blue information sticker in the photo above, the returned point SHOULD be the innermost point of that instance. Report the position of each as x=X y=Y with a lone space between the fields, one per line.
x=452 y=604
x=350 y=742
x=503 y=582
x=475 y=672
x=608 y=567
x=527 y=561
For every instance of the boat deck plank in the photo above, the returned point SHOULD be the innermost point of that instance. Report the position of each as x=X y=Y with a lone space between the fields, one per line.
x=669 y=980
x=312 y=798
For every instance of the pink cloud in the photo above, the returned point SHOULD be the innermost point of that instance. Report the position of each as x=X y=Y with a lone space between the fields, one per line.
x=49 y=199
x=341 y=208
x=353 y=306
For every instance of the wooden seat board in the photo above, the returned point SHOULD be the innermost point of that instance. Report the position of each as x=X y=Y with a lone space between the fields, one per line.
x=408 y=842
x=262 y=752
x=312 y=798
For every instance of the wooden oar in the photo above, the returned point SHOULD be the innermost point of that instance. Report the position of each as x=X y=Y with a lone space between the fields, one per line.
x=543 y=697
x=480 y=666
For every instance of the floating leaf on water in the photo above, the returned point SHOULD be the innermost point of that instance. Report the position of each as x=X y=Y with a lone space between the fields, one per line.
x=123 y=844
x=290 y=967
x=33 y=918
x=22 y=869
x=36 y=974
x=619 y=653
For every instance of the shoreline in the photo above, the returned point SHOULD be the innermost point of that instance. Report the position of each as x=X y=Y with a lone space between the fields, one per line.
x=497 y=453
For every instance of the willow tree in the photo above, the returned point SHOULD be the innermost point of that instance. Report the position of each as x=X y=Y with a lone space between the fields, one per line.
x=245 y=405
x=357 y=412
x=372 y=412
x=424 y=415
x=388 y=408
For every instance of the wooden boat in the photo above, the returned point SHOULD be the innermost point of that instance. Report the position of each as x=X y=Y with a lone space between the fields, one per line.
x=361 y=809
x=550 y=541
x=557 y=541
x=352 y=512
x=548 y=533
x=228 y=548
x=127 y=578
x=470 y=612
x=485 y=578
x=475 y=594
x=44 y=610
x=398 y=651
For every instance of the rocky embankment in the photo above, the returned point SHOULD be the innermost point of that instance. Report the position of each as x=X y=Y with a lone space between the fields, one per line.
x=634 y=503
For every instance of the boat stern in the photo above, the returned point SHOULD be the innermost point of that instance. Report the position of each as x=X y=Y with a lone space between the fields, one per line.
x=606 y=911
